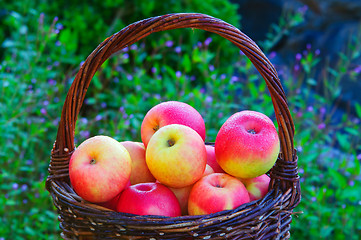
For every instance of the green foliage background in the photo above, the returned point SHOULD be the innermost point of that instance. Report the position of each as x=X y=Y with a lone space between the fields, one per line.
x=44 y=42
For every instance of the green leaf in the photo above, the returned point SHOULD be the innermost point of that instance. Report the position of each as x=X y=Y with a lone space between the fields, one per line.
x=358 y=109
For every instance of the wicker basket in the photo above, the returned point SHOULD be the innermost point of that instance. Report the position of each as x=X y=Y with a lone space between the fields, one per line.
x=267 y=218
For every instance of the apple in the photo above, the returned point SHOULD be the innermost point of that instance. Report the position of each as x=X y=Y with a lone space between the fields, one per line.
x=140 y=172
x=216 y=192
x=99 y=169
x=257 y=187
x=112 y=203
x=211 y=159
x=176 y=156
x=182 y=194
x=149 y=199
x=247 y=145
x=171 y=112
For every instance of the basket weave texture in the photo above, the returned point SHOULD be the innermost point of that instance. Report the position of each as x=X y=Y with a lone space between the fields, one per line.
x=267 y=218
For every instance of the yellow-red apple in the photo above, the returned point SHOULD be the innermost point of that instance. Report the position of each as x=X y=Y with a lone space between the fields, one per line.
x=211 y=159
x=216 y=192
x=171 y=112
x=140 y=172
x=182 y=194
x=257 y=187
x=176 y=156
x=99 y=169
x=149 y=199
x=247 y=144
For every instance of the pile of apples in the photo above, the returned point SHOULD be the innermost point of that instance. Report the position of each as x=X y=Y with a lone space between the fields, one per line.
x=172 y=172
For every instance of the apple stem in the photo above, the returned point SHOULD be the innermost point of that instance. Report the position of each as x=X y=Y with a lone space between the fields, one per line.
x=92 y=161
x=156 y=128
x=171 y=142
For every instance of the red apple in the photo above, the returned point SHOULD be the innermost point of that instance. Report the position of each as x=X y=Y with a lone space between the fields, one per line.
x=211 y=159
x=176 y=156
x=182 y=194
x=99 y=169
x=112 y=203
x=171 y=112
x=149 y=199
x=257 y=187
x=216 y=192
x=247 y=145
x=140 y=172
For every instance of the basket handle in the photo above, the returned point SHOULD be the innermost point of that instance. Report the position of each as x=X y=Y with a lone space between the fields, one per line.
x=64 y=144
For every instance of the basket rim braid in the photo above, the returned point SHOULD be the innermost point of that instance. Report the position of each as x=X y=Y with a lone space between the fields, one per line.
x=267 y=218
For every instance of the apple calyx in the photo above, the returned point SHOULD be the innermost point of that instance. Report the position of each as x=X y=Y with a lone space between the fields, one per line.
x=171 y=142
x=92 y=162
x=251 y=131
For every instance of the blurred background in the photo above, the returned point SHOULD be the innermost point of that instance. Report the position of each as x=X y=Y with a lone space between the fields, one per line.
x=314 y=45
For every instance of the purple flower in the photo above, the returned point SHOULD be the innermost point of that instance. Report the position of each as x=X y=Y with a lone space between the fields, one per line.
x=301 y=171
x=193 y=78
x=59 y=26
x=126 y=49
x=125 y=55
x=308 y=46
x=51 y=81
x=134 y=47
x=358 y=157
x=298 y=56
x=317 y=52
x=81 y=63
x=57 y=43
x=351 y=183
x=299 y=148
x=41 y=18
x=29 y=162
x=209 y=99
x=84 y=134
x=121 y=109
x=234 y=79
x=296 y=68
x=154 y=70
x=178 y=74
x=129 y=77
x=127 y=122
x=25 y=201
x=115 y=79
x=357 y=69
x=55 y=19
x=303 y=9
x=15 y=186
x=131 y=116
x=178 y=49
x=98 y=118
x=199 y=44
x=169 y=43
x=310 y=108
x=33 y=81
x=321 y=126
x=202 y=90
x=43 y=111
x=103 y=105
x=220 y=115
x=208 y=41
x=223 y=76
x=56 y=63
x=46 y=103
x=24 y=187
x=313 y=199
x=211 y=68
x=272 y=55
